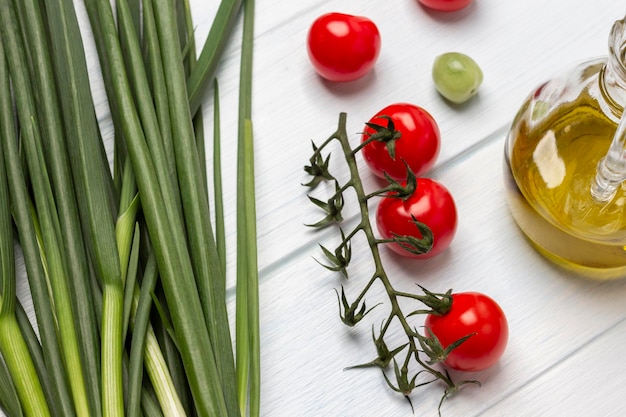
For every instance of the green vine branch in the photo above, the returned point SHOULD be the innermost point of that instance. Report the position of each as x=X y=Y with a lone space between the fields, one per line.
x=421 y=351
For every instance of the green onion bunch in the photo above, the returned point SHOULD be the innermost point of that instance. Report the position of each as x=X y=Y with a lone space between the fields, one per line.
x=124 y=256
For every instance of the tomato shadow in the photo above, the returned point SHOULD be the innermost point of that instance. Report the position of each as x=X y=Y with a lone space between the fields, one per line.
x=349 y=88
x=449 y=17
x=460 y=107
x=420 y=269
x=479 y=376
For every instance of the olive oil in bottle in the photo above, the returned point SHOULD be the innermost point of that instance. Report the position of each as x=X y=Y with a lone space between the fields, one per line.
x=560 y=134
x=549 y=174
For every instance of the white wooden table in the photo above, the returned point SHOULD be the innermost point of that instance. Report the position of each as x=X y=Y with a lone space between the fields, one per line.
x=567 y=335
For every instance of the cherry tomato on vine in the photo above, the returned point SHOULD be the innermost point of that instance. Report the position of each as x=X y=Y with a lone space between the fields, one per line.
x=418 y=144
x=343 y=47
x=477 y=314
x=446 y=5
x=431 y=204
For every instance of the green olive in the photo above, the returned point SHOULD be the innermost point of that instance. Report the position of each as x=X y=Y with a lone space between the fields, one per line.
x=456 y=76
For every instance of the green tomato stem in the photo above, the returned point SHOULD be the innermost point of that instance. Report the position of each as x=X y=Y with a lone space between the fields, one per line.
x=366 y=227
x=405 y=384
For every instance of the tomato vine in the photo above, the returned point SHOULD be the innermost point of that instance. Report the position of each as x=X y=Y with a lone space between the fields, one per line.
x=421 y=353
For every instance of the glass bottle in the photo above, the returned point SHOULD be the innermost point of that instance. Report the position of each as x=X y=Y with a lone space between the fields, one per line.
x=565 y=163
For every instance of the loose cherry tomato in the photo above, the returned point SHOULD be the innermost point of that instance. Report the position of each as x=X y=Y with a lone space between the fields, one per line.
x=446 y=5
x=477 y=314
x=418 y=144
x=343 y=47
x=431 y=204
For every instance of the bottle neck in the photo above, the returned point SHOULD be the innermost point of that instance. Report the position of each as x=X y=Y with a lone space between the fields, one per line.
x=613 y=75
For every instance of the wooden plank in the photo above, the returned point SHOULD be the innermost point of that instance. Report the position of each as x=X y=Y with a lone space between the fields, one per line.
x=552 y=314
x=565 y=331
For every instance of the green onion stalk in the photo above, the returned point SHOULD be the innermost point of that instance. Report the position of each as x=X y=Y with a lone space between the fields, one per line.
x=91 y=179
x=166 y=231
x=204 y=72
x=126 y=273
x=56 y=386
x=58 y=154
x=31 y=140
x=247 y=326
x=12 y=344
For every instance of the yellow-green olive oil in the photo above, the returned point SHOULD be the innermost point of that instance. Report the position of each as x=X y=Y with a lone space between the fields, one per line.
x=549 y=170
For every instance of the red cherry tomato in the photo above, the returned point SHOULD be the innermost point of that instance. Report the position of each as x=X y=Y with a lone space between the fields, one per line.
x=418 y=144
x=477 y=314
x=431 y=204
x=446 y=5
x=343 y=47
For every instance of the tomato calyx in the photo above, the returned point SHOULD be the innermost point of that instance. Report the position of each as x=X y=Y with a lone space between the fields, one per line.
x=350 y=316
x=385 y=134
x=340 y=257
x=384 y=355
x=438 y=303
x=395 y=189
x=318 y=170
x=433 y=348
x=404 y=384
x=332 y=207
x=413 y=244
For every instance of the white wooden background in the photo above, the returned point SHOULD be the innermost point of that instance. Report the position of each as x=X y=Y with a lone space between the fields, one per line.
x=566 y=350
